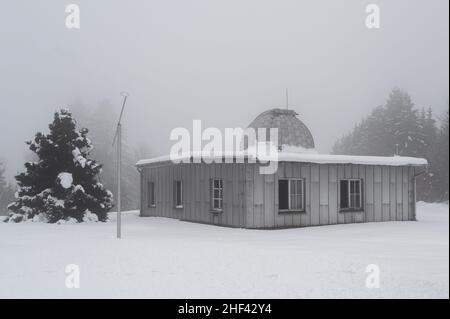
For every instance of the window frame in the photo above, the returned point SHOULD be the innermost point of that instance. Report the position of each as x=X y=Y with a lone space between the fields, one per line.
x=175 y=193
x=151 y=195
x=302 y=195
x=349 y=208
x=213 y=198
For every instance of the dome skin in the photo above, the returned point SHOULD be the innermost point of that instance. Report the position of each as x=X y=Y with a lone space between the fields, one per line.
x=291 y=131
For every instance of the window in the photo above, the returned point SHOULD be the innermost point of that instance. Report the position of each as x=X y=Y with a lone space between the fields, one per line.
x=178 y=194
x=291 y=194
x=151 y=194
x=351 y=194
x=217 y=194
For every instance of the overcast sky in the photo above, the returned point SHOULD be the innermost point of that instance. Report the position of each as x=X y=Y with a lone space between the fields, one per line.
x=222 y=61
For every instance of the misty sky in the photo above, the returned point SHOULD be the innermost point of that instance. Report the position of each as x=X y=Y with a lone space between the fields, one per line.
x=222 y=61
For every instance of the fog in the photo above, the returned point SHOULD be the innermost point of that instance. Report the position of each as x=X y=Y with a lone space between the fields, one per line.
x=223 y=62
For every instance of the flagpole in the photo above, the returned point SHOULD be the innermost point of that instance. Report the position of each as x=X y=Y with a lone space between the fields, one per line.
x=118 y=136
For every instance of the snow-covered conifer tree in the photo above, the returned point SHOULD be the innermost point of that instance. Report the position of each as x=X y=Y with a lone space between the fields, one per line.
x=63 y=183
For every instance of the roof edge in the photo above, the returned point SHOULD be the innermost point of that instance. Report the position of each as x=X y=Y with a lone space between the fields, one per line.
x=297 y=157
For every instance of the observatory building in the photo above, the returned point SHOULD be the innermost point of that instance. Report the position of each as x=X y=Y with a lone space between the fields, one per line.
x=307 y=189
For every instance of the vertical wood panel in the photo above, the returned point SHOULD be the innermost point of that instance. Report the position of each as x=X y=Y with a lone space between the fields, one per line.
x=258 y=201
x=348 y=216
x=296 y=173
x=249 y=192
x=385 y=193
x=333 y=194
x=405 y=200
x=412 y=194
x=269 y=204
x=315 y=195
x=323 y=197
x=399 y=193
x=279 y=218
x=362 y=176
x=392 y=194
x=369 y=194
x=242 y=194
x=228 y=194
x=305 y=219
x=341 y=175
x=190 y=190
x=235 y=184
x=378 y=194
x=153 y=178
x=288 y=218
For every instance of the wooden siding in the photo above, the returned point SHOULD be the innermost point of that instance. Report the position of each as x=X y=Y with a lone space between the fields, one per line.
x=251 y=199
x=196 y=195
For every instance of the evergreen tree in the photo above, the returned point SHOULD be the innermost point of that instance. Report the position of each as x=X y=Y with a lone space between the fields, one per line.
x=415 y=133
x=425 y=182
x=63 y=182
x=403 y=125
x=2 y=177
x=440 y=160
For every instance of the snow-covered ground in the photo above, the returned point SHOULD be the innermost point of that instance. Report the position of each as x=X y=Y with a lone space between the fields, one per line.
x=166 y=258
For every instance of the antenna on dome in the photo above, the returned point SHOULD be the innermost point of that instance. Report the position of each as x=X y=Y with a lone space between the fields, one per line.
x=287 y=99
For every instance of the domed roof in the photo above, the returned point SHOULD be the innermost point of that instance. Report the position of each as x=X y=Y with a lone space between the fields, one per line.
x=291 y=131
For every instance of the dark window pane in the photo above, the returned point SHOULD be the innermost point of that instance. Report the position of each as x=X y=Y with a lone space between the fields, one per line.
x=295 y=202
x=178 y=194
x=217 y=183
x=357 y=201
x=283 y=194
x=353 y=201
x=150 y=194
x=295 y=186
x=344 y=194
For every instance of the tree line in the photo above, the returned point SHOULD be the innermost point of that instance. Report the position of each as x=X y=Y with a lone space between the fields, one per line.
x=400 y=128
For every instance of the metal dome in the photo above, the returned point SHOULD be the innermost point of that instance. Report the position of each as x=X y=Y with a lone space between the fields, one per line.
x=291 y=131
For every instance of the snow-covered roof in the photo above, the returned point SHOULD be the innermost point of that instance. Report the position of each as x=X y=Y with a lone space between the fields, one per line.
x=300 y=157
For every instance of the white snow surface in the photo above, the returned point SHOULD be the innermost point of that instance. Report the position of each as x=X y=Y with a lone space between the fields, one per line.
x=298 y=149
x=78 y=157
x=298 y=157
x=167 y=258
x=65 y=179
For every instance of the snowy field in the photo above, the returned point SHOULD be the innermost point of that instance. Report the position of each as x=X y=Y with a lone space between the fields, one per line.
x=165 y=258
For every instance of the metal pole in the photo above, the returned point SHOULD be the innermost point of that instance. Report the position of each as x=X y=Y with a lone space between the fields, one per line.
x=119 y=176
x=118 y=136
